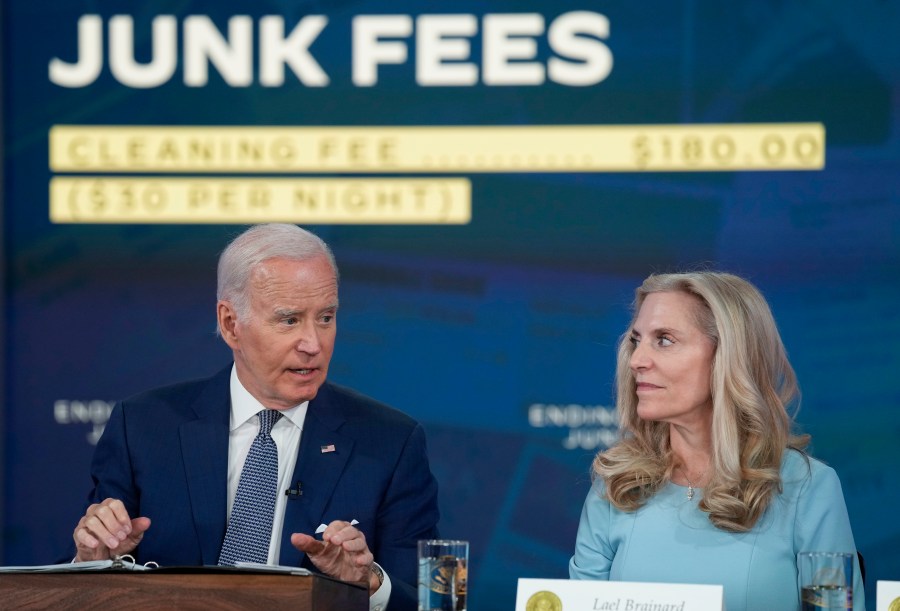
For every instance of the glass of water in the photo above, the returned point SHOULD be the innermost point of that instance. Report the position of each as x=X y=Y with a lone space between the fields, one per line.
x=443 y=574
x=826 y=581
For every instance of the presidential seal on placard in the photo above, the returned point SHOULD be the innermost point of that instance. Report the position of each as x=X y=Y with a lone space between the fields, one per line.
x=895 y=605
x=545 y=601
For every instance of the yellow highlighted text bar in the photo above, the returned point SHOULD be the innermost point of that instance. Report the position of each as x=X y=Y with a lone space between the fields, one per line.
x=234 y=200
x=364 y=150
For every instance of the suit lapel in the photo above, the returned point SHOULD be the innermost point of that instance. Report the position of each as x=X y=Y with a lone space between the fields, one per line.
x=321 y=459
x=204 y=445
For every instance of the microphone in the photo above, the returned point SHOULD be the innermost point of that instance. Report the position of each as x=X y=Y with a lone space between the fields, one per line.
x=295 y=492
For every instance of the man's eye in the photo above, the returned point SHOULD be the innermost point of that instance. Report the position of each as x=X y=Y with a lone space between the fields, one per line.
x=290 y=321
x=328 y=318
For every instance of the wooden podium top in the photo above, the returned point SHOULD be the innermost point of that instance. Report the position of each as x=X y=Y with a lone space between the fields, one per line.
x=179 y=590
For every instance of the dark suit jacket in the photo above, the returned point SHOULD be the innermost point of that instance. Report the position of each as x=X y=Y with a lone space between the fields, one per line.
x=164 y=453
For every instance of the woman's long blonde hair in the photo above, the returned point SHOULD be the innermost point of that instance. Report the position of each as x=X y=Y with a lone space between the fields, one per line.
x=752 y=387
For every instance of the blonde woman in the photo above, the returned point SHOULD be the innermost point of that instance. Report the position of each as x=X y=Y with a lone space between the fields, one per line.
x=708 y=484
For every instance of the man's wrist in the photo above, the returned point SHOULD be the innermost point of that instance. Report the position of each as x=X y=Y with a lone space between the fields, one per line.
x=376 y=578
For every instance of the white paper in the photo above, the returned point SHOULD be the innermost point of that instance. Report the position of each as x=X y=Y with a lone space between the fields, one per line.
x=322 y=527
x=887 y=593
x=558 y=594
x=68 y=567
x=272 y=568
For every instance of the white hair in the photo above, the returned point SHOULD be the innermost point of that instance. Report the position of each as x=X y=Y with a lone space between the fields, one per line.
x=256 y=245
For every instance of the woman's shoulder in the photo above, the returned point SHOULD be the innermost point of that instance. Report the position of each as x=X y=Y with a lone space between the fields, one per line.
x=598 y=489
x=800 y=471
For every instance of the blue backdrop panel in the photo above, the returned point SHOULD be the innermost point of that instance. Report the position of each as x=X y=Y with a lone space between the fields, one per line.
x=500 y=334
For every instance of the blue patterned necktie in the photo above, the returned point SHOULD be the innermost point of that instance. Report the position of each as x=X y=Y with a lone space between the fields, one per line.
x=250 y=527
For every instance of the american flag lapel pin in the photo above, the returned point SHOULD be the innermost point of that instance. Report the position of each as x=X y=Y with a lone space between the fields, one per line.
x=328 y=448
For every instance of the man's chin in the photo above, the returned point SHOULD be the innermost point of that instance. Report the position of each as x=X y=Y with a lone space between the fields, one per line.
x=306 y=391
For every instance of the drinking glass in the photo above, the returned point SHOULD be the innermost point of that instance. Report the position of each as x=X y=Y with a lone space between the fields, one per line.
x=443 y=571
x=826 y=581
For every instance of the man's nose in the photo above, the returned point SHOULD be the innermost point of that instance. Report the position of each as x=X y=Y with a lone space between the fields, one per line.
x=308 y=340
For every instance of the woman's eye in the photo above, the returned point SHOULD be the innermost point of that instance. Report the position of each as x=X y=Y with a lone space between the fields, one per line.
x=665 y=341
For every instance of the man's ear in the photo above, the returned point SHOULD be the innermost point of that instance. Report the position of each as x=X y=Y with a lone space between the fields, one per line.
x=228 y=322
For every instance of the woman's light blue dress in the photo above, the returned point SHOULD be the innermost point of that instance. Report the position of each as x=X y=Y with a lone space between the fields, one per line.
x=669 y=540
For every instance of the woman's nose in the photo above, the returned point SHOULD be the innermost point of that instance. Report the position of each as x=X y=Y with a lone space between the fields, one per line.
x=639 y=358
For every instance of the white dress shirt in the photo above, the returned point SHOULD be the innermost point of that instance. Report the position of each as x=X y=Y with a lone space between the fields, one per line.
x=286 y=433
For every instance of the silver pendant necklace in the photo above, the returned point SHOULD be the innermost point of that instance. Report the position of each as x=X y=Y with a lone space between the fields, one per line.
x=690 y=490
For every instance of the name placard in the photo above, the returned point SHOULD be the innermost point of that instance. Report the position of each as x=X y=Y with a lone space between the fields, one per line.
x=580 y=595
x=888 y=596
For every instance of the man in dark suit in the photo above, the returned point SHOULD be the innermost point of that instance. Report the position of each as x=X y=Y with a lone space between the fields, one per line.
x=347 y=464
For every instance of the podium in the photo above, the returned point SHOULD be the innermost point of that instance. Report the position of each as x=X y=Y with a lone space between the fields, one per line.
x=179 y=589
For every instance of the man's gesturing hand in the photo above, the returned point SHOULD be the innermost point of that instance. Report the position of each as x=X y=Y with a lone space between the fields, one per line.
x=107 y=530
x=342 y=553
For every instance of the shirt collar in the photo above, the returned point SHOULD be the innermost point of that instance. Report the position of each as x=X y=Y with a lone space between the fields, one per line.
x=245 y=406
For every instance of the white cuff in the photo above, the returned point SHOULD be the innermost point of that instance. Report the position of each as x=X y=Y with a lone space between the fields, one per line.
x=379 y=600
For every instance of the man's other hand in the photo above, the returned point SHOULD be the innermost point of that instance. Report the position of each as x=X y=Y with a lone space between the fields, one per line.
x=107 y=530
